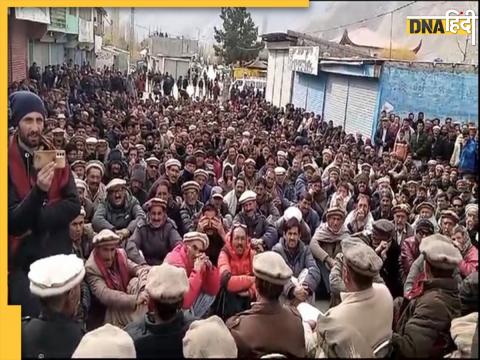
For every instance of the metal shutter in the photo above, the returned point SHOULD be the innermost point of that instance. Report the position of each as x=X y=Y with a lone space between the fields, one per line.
x=362 y=102
x=57 y=54
x=171 y=68
x=336 y=99
x=316 y=93
x=299 y=98
x=40 y=54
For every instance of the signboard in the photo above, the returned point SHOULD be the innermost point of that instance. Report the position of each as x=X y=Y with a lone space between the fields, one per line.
x=40 y=15
x=304 y=59
x=98 y=44
x=85 y=31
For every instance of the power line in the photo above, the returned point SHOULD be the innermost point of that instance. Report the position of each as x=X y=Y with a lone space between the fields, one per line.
x=366 y=19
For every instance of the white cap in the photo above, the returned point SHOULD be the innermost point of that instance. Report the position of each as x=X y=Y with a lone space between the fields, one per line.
x=292 y=212
x=107 y=341
x=55 y=275
x=248 y=195
x=79 y=183
x=95 y=164
x=246 y=133
x=192 y=128
x=282 y=153
x=173 y=162
x=209 y=112
x=280 y=170
x=91 y=140
x=115 y=182
x=152 y=159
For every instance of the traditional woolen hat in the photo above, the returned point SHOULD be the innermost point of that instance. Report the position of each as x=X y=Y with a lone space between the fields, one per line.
x=190 y=185
x=425 y=204
x=450 y=214
x=78 y=163
x=172 y=162
x=248 y=195
x=138 y=173
x=440 y=252
x=24 y=102
x=250 y=161
x=108 y=342
x=336 y=211
x=152 y=160
x=361 y=258
x=292 y=212
x=105 y=237
x=79 y=183
x=155 y=202
x=471 y=208
x=216 y=192
x=271 y=267
x=195 y=235
x=280 y=171
x=401 y=208
x=55 y=275
x=425 y=225
x=309 y=166
x=167 y=283
x=115 y=182
x=96 y=165
x=200 y=172
x=383 y=228
x=209 y=338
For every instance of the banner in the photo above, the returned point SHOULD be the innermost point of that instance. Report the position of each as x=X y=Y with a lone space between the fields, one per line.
x=85 y=31
x=304 y=59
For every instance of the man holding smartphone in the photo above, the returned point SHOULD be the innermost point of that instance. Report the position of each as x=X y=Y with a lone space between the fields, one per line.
x=41 y=203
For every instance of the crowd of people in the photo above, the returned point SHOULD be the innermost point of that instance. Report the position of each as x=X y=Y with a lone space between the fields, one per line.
x=212 y=228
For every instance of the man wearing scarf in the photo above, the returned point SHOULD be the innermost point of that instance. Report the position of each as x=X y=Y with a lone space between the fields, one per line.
x=325 y=244
x=117 y=282
x=41 y=203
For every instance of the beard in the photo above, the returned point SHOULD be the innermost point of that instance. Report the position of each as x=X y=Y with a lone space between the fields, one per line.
x=31 y=139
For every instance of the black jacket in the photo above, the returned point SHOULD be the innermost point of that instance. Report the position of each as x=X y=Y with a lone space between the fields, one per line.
x=159 y=341
x=50 y=336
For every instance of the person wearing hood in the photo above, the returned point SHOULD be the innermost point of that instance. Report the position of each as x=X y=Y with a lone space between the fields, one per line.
x=154 y=238
x=263 y=233
x=137 y=182
x=226 y=181
x=235 y=265
x=297 y=255
x=119 y=212
x=325 y=244
x=461 y=240
x=116 y=166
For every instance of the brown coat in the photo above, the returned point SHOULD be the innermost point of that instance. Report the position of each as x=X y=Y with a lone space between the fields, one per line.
x=423 y=327
x=268 y=328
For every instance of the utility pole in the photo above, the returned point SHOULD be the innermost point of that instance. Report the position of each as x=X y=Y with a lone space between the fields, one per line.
x=132 y=32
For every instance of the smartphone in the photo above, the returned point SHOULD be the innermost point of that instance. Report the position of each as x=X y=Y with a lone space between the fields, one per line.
x=43 y=157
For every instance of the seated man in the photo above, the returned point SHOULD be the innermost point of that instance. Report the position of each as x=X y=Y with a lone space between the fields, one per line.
x=119 y=212
x=422 y=324
x=299 y=258
x=268 y=327
x=261 y=232
x=293 y=212
x=211 y=223
x=203 y=277
x=155 y=237
x=366 y=306
x=55 y=280
x=309 y=215
x=191 y=206
x=116 y=282
x=235 y=264
x=160 y=333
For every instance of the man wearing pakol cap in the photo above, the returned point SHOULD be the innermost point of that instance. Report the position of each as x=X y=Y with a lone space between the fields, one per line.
x=41 y=203
x=438 y=149
x=117 y=282
x=55 y=281
x=448 y=220
x=403 y=229
x=366 y=304
x=430 y=312
x=108 y=342
x=269 y=327
x=471 y=222
x=191 y=206
x=119 y=212
x=86 y=203
x=325 y=244
x=410 y=247
x=203 y=276
x=154 y=237
x=426 y=210
x=264 y=201
x=160 y=332
x=172 y=174
x=461 y=240
x=262 y=233
x=96 y=192
x=298 y=256
x=201 y=177
x=248 y=174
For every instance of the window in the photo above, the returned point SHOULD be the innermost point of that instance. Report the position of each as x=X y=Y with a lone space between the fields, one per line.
x=86 y=13
x=72 y=11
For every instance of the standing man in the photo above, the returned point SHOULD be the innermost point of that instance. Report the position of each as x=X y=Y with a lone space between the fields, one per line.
x=41 y=204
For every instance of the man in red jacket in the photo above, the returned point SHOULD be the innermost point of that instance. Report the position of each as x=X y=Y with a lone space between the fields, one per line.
x=203 y=276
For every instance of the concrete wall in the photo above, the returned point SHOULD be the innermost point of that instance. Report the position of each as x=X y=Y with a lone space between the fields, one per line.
x=438 y=91
x=172 y=47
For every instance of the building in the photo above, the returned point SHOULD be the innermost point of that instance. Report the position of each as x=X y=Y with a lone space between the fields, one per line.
x=350 y=87
x=51 y=36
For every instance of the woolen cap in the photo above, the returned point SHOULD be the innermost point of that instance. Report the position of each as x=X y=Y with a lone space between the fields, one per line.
x=401 y=208
x=361 y=258
x=471 y=208
x=383 y=180
x=107 y=341
x=271 y=267
x=155 y=202
x=425 y=204
x=95 y=164
x=79 y=183
x=247 y=195
x=250 y=161
x=167 y=283
x=196 y=236
x=309 y=166
x=105 y=237
x=78 y=163
x=55 y=275
x=217 y=192
x=333 y=170
x=152 y=160
x=282 y=153
x=24 y=102
x=383 y=227
x=115 y=182
x=292 y=212
x=190 y=185
x=209 y=338
x=440 y=252
x=200 y=172
x=450 y=214
x=336 y=211
x=172 y=162
x=280 y=171
x=91 y=140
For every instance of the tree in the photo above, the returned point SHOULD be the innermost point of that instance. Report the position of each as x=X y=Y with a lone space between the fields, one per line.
x=237 y=40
